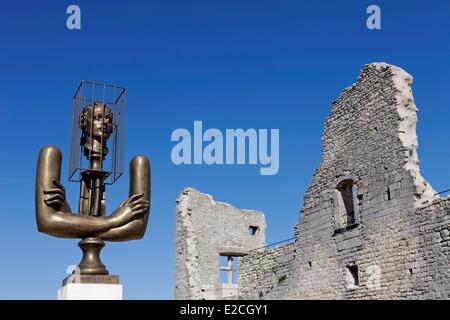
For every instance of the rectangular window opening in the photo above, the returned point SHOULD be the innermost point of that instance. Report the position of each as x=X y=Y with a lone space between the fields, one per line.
x=360 y=199
x=352 y=276
x=252 y=230
x=346 y=197
x=281 y=279
x=228 y=269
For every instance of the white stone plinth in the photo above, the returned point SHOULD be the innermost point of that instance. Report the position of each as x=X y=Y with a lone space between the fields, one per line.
x=90 y=291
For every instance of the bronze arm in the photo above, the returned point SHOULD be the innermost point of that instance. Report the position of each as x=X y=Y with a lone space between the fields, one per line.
x=57 y=220
x=140 y=182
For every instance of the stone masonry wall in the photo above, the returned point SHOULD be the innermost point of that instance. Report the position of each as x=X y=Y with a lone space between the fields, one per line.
x=430 y=274
x=205 y=230
x=397 y=244
x=267 y=272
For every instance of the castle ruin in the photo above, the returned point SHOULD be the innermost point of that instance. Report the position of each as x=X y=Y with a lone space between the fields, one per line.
x=370 y=228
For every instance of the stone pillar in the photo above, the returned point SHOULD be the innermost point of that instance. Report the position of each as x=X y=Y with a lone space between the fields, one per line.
x=90 y=287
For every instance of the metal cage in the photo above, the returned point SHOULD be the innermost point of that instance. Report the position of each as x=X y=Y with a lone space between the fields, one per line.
x=88 y=97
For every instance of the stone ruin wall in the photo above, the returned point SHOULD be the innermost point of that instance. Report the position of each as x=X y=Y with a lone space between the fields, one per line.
x=397 y=243
x=267 y=272
x=205 y=230
x=400 y=240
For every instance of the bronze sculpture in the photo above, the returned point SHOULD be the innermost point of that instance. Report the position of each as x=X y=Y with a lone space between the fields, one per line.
x=53 y=213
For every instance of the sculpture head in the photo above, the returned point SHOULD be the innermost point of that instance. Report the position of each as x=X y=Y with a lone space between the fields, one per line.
x=98 y=123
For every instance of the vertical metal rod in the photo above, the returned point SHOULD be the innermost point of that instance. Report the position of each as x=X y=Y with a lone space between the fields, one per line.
x=114 y=138
x=92 y=120
x=122 y=127
x=103 y=124
x=94 y=189
x=80 y=147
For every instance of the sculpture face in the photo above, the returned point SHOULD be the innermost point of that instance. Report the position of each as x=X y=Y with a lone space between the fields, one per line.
x=99 y=124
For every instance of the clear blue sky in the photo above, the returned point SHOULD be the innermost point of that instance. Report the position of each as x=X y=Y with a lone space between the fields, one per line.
x=231 y=64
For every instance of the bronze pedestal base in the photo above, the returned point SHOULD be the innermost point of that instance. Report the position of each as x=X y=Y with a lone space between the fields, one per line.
x=91 y=263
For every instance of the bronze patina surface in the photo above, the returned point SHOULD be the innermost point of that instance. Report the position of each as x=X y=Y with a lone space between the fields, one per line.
x=90 y=223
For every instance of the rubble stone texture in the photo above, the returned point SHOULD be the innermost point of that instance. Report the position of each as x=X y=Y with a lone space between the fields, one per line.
x=206 y=230
x=371 y=227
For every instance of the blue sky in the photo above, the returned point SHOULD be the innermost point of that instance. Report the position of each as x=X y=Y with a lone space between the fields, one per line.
x=231 y=64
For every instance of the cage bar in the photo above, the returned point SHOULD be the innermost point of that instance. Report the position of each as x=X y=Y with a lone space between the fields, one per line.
x=89 y=98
